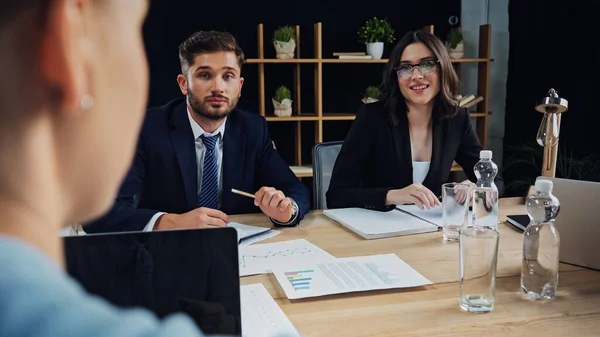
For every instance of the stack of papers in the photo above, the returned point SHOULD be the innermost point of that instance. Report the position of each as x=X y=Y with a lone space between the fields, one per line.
x=263 y=258
x=371 y=224
x=346 y=275
x=248 y=235
x=261 y=316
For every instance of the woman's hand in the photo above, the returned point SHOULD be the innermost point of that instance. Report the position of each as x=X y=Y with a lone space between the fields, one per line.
x=414 y=194
x=460 y=194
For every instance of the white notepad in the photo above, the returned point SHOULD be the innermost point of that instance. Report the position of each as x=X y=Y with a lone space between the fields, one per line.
x=246 y=232
x=403 y=220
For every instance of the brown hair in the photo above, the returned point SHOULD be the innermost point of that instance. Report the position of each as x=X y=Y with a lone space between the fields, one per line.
x=207 y=42
x=445 y=104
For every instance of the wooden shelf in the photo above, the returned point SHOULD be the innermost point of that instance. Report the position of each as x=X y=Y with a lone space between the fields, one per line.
x=292 y=118
x=295 y=60
x=302 y=171
x=334 y=60
x=338 y=117
x=309 y=117
x=315 y=112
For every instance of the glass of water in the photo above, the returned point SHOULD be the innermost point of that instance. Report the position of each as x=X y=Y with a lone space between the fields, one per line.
x=455 y=208
x=478 y=256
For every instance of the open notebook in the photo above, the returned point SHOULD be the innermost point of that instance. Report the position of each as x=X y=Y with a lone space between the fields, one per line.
x=246 y=232
x=403 y=220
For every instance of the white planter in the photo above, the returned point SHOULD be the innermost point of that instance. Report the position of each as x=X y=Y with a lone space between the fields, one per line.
x=375 y=49
x=457 y=52
x=368 y=100
x=285 y=50
x=283 y=109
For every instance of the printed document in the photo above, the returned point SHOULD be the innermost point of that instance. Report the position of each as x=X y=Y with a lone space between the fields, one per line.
x=261 y=316
x=346 y=275
x=263 y=258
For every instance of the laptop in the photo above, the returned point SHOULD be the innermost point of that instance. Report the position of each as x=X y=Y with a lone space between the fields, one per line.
x=577 y=222
x=189 y=271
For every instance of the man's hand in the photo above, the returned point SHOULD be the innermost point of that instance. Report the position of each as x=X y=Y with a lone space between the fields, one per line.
x=274 y=204
x=198 y=218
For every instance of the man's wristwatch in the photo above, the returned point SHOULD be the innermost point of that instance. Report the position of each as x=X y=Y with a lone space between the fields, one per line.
x=295 y=211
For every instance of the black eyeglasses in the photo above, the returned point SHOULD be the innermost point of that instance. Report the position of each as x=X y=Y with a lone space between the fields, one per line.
x=425 y=67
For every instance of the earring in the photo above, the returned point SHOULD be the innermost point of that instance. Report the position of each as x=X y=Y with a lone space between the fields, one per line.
x=87 y=102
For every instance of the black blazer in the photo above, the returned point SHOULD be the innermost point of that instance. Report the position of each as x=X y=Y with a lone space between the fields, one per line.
x=376 y=157
x=163 y=176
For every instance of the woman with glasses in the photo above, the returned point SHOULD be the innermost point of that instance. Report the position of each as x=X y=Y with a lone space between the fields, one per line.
x=400 y=149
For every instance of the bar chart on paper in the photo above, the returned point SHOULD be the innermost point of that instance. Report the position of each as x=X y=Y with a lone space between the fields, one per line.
x=263 y=258
x=350 y=274
x=300 y=280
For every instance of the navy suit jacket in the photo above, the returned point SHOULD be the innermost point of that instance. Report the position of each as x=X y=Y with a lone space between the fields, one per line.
x=163 y=177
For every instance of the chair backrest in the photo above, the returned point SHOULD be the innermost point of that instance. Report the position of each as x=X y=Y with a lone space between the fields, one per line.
x=323 y=158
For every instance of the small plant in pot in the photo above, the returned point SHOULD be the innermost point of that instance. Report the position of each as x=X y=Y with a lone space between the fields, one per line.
x=374 y=34
x=284 y=42
x=455 y=43
x=282 y=102
x=371 y=95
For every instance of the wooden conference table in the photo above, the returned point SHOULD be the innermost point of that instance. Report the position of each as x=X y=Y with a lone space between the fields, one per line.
x=433 y=310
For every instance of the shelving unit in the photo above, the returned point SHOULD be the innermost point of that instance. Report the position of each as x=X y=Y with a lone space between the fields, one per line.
x=316 y=114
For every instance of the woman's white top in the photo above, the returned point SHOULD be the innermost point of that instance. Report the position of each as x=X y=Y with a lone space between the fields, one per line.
x=420 y=169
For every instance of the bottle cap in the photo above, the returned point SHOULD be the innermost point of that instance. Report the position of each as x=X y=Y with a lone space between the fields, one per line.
x=487 y=154
x=543 y=185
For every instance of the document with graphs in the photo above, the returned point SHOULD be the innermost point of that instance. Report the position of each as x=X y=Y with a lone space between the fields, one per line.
x=346 y=275
x=262 y=258
x=261 y=315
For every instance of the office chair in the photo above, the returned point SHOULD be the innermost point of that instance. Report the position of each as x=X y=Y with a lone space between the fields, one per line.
x=323 y=157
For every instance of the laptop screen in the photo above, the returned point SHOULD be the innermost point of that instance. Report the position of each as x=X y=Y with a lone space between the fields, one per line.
x=192 y=271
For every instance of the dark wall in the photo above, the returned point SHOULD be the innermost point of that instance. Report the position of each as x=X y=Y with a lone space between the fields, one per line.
x=169 y=22
x=552 y=45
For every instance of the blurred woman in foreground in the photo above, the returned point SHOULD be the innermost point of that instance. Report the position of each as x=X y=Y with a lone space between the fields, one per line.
x=73 y=89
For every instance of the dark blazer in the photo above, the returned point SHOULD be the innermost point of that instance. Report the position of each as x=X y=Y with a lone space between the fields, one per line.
x=376 y=157
x=163 y=176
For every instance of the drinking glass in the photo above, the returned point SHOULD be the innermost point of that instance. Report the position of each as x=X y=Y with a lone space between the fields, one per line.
x=478 y=256
x=455 y=208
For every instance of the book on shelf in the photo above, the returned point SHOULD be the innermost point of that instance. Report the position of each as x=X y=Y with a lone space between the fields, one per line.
x=352 y=56
x=468 y=101
x=402 y=220
x=355 y=57
x=357 y=53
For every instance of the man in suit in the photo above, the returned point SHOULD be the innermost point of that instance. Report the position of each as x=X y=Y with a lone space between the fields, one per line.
x=193 y=151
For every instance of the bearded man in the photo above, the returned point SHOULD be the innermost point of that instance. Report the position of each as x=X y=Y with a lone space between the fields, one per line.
x=194 y=150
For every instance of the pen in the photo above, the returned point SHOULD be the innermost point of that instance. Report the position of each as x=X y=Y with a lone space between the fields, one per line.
x=249 y=195
x=242 y=193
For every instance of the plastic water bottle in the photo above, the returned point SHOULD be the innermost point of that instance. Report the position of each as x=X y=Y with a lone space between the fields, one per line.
x=541 y=243
x=485 y=194
x=486 y=170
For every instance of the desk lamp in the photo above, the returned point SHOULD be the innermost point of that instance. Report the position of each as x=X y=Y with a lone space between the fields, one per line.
x=552 y=106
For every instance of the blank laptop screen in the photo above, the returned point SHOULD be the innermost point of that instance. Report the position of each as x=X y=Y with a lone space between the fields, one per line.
x=193 y=271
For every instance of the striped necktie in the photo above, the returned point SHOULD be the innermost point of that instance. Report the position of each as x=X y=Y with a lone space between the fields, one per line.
x=209 y=191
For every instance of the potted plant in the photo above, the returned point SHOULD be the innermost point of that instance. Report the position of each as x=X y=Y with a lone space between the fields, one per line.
x=455 y=44
x=284 y=42
x=374 y=34
x=282 y=102
x=371 y=94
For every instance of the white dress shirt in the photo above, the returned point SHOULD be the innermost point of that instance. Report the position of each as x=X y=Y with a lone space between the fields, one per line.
x=200 y=150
